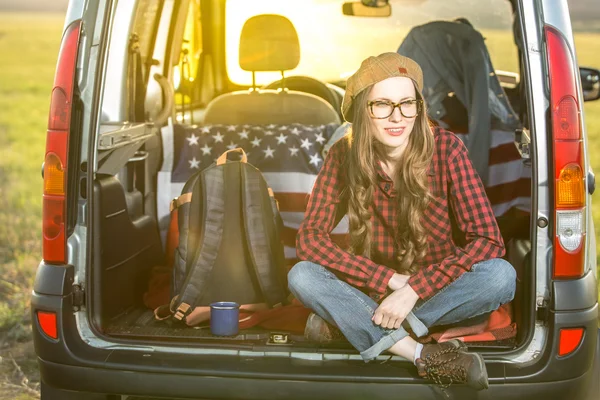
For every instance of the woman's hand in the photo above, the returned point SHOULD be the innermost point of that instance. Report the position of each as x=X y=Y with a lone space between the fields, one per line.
x=397 y=281
x=394 y=308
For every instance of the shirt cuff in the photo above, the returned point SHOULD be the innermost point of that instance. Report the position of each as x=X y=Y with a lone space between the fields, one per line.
x=380 y=278
x=418 y=283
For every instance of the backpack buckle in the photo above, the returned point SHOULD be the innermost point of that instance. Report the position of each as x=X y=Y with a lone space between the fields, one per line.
x=182 y=311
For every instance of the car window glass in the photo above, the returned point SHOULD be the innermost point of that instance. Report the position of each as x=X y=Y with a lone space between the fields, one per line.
x=333 y=45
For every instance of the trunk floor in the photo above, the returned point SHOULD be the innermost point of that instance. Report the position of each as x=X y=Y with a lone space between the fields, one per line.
x=140 y=323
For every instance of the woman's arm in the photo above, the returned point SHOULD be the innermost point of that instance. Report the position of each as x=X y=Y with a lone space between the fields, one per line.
x=475 y=218
x=313 y=242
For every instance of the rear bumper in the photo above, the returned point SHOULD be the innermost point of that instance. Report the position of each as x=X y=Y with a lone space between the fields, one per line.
x=70 y=363
x=99 y=380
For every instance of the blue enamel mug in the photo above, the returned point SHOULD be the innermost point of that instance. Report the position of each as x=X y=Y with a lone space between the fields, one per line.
x=224 y=318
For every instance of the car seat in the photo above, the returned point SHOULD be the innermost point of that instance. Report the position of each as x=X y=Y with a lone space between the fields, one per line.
x=269 y=43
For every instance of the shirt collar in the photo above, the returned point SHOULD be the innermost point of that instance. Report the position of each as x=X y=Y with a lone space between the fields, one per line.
x=381 y=173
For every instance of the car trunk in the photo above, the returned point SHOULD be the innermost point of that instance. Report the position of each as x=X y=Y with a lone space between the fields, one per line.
x=128 y=249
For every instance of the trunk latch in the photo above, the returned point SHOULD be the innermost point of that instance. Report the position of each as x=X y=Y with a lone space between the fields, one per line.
x=77 y=297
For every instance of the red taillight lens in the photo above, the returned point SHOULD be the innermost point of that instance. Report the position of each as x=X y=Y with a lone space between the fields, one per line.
x=569 y=340
x=60 y=111
x=570 y=198
x=54 y=248
x=47 y=321
x=566 y=119
x=53 y=229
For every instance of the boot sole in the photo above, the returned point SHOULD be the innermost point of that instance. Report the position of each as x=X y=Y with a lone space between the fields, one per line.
x=482 y=382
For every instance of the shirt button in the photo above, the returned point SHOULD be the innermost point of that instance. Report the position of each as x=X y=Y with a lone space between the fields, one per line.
x=387 y=187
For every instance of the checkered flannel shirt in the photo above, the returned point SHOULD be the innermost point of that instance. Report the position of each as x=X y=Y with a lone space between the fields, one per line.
x=451 y=173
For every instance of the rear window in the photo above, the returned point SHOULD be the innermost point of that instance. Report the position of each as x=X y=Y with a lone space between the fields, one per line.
x=332 y=45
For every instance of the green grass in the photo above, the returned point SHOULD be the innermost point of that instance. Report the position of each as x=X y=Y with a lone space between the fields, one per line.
x=29 y=46
x=589 y=56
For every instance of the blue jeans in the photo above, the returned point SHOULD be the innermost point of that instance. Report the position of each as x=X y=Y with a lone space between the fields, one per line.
x=483 y=289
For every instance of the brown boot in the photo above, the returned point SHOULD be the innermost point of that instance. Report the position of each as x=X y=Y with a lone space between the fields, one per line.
x=319 y=330
x=449 y=362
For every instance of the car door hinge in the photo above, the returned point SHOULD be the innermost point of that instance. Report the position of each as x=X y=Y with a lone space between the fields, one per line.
x=77 y=297
x=542 y=311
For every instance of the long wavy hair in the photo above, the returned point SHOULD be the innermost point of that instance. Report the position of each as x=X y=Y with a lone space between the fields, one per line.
x=410 y=182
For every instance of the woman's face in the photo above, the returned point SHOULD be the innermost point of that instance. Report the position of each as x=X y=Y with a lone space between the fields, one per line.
x=394 y=130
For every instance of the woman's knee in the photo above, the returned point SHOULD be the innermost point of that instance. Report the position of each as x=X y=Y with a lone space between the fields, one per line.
x=501 y=279
x=301 y=276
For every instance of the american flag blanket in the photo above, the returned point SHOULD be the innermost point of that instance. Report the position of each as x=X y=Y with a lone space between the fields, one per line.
x=289 y=156
x=509 y=178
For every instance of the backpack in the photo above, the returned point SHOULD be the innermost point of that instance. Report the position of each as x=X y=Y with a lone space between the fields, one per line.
x=229 y=240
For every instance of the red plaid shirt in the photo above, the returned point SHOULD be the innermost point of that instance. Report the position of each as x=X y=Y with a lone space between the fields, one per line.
x=450 y=173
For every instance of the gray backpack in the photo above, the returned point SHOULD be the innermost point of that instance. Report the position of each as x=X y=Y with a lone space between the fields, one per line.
x=229 y=240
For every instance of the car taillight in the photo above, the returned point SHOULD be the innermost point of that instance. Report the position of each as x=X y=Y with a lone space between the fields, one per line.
x=54 y=248
x=569 y=340
x=570 y=198
x=47 y=321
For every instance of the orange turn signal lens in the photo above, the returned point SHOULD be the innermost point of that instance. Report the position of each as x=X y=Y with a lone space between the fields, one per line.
x=47 y=322
x=569 y=340
x=570 y=187
x=54 y=175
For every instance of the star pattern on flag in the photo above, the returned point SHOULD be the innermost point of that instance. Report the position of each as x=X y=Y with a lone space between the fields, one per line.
x=194 y=163
x=306 y=144
x=206 y=150
x=269 y=152
x=243 y=134
x=193 y=140
x=315 y=159
x=218 y=137
x=281 y=139
x=256 y=142
x=270 y=148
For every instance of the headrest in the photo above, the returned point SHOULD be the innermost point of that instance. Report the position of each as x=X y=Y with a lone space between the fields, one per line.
x=269 y=43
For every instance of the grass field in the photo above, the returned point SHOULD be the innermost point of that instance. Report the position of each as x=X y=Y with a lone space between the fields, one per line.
x=29 y=46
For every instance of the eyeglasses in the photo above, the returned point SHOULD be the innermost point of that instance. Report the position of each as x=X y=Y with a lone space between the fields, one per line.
x=381 y=109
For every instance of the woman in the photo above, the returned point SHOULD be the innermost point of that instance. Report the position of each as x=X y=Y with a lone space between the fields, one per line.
x=398 y=179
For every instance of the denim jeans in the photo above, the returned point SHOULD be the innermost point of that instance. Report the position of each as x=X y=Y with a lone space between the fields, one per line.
x=481 y=290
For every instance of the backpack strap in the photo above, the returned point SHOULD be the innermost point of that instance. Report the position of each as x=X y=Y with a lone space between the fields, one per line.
x=263 y=257
x=211 y=188
x=179 y=201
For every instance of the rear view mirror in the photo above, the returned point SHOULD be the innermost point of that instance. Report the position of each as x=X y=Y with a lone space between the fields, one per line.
x=590 y=82
x=367 y=8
